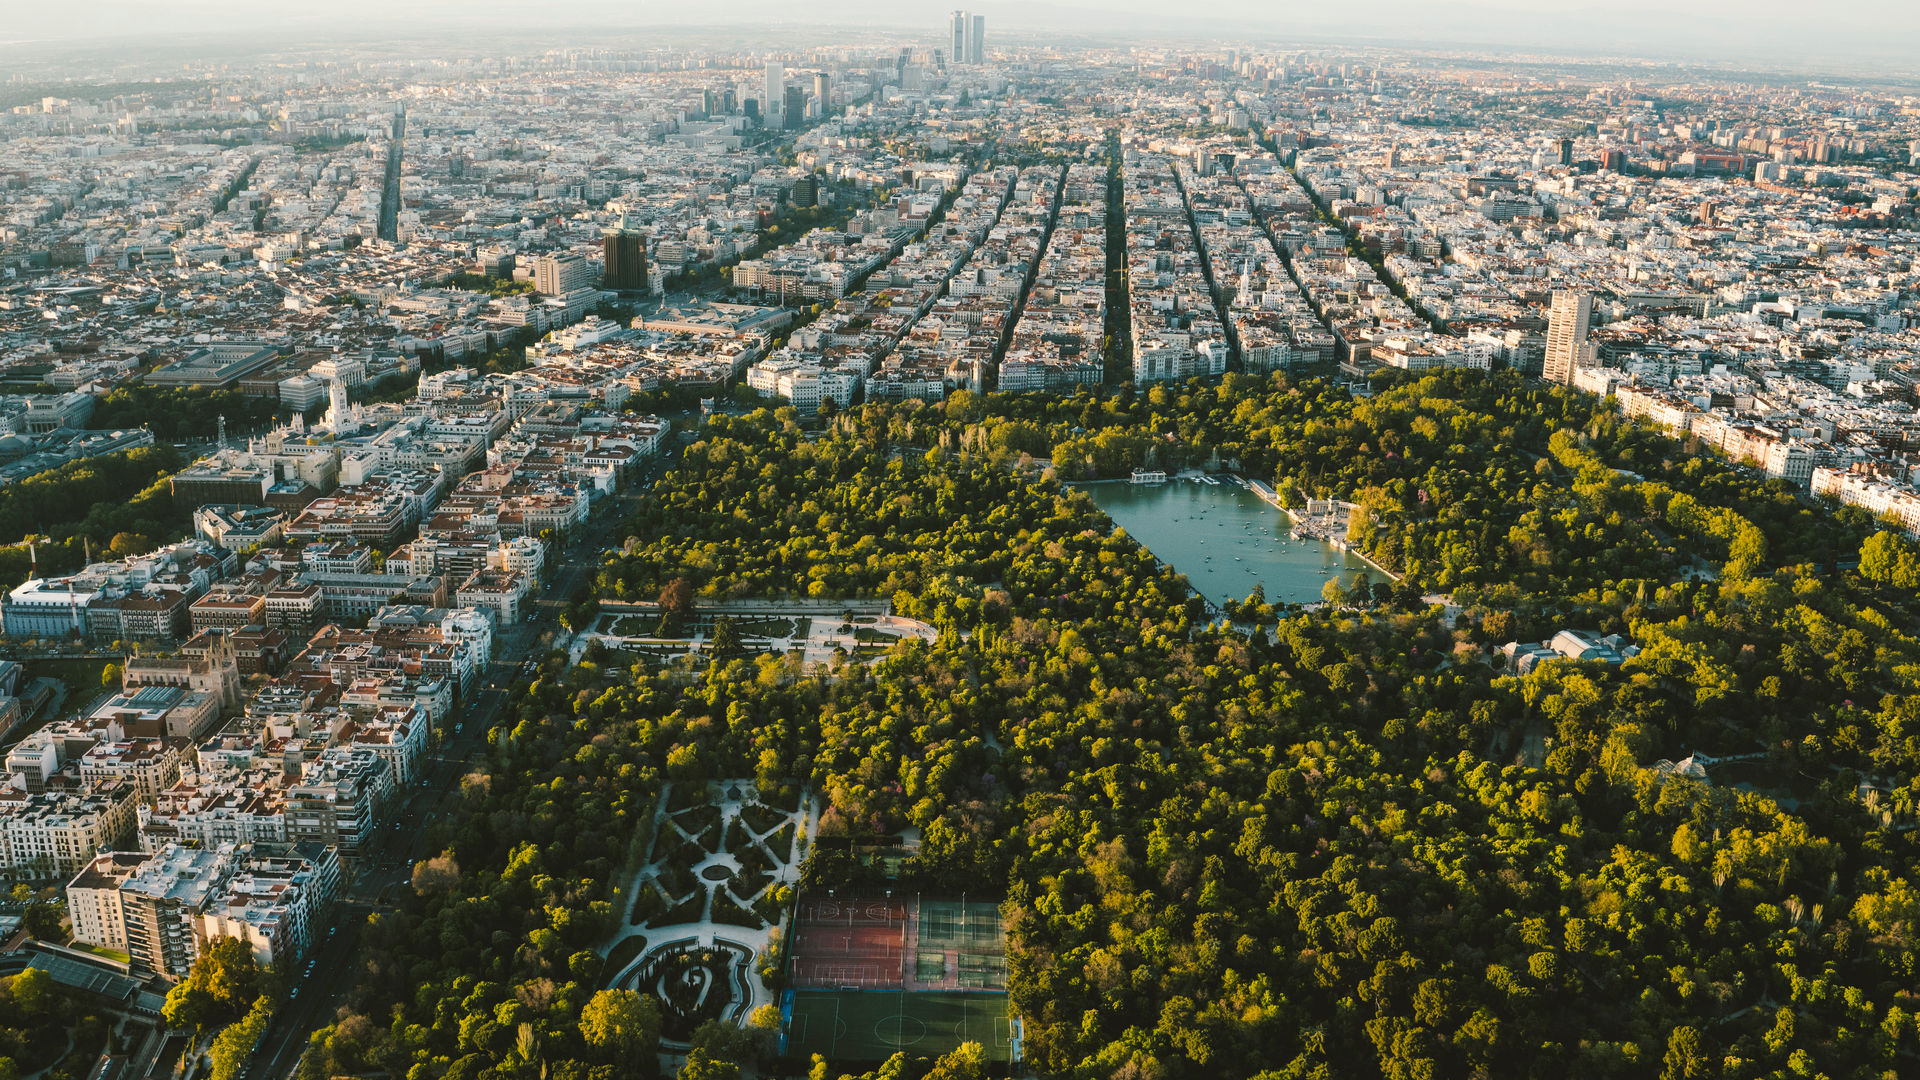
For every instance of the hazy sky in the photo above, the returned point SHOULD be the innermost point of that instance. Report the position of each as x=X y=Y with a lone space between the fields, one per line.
x=1827 y=32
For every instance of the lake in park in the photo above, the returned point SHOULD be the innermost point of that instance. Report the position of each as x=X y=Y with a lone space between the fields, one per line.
x=1226 y=540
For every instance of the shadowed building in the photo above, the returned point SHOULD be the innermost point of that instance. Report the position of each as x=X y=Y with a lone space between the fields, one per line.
x=626 y=259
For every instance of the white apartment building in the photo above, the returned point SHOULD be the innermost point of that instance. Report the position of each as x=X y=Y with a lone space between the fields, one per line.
x=241 y=809
x=162 y=901
x=339 y=798
x=803 y=382
x=163 y=908
x=273 y=901
x=1567 y=321
x=1874 y=494
x=398 y=735
x=500 y=593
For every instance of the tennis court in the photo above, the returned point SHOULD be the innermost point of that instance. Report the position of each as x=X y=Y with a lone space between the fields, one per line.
x=856 y=942
x=873 y=1026
x=959 y=945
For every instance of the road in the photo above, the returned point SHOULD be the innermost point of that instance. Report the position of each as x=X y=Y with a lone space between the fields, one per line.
x=384 y=866
x=389 y=224
x=314 y=997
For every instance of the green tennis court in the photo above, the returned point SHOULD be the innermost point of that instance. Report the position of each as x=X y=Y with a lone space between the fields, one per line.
x=953 y=924
x=874 y=1025
x=959 y=946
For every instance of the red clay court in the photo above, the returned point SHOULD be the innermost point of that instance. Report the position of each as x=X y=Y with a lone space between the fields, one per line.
x=849 y=943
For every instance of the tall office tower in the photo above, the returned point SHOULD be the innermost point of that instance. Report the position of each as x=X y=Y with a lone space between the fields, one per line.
x=558 y=275
x=1567 y=323
x=977 y=40
x=776 y=89
x=1566 y=151
x=960 y=24
x=821 y=87
x=626 y=255
x=793 y=111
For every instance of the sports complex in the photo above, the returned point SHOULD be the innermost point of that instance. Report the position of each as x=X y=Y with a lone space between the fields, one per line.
x=872 y=976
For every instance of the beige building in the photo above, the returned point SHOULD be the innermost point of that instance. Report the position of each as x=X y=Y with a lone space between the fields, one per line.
x=206 y=665
x=93 y=899
x=57 y=833
x=150 y=765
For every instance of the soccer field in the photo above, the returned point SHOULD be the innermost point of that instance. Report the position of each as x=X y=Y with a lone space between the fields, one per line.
x=874 y=1025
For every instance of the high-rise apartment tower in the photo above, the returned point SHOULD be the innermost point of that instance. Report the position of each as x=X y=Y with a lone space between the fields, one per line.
x=1567 y=322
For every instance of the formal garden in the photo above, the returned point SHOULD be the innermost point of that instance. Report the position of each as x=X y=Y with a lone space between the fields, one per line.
x=696 y=983
x=712 y=897
x=815 y=639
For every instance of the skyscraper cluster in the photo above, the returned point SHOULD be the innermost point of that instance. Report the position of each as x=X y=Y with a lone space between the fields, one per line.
x=969 y=33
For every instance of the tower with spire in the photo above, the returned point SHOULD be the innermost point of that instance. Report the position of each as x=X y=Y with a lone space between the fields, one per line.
x=340 y=419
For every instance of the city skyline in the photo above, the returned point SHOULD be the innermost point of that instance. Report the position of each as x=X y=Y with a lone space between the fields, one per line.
x=1872 y=32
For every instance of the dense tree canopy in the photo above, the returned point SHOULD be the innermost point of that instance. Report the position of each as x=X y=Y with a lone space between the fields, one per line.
x=98 y=498
x=179 y=413
x=1340 y=842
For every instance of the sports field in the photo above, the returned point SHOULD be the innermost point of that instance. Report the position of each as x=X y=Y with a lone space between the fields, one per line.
x=873 y=1025
x=849 y=943
x=921 y=943
x=959 y=946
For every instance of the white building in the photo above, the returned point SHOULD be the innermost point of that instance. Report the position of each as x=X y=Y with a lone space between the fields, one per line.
x=163 y=908
x=397 y=734
x=1875 y=494
x=49 y=608
x=500 y=593
x=1567 y=323
x=161 y=904
x=803 y=382
x=273 y=901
